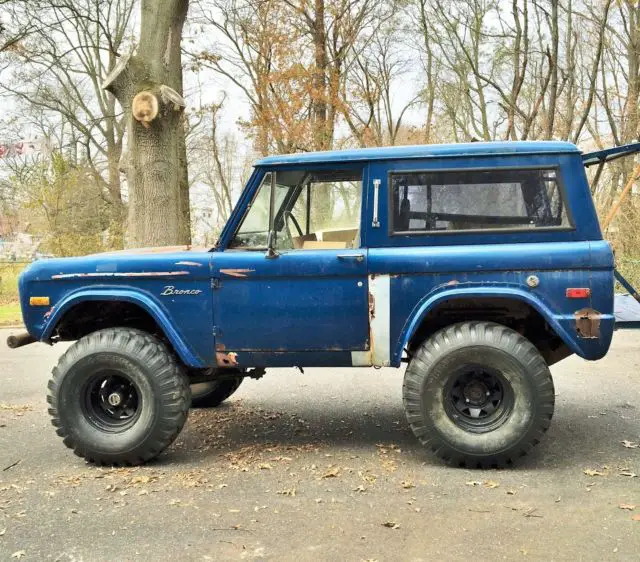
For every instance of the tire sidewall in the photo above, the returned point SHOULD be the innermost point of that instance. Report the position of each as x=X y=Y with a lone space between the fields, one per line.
x=515 y=426
x=82 y=430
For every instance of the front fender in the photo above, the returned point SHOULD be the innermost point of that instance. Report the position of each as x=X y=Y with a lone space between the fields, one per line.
x=139 y=298
x=561 y=323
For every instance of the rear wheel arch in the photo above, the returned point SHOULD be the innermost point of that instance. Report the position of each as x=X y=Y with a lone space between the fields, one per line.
x=523 y=315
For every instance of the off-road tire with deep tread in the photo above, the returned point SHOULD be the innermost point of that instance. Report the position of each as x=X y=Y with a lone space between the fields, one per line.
x=218 y=392
x=499 y=348
x=163 y=386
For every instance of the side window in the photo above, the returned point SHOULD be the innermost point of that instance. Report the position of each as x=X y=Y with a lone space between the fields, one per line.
x=312 y=210
x=477 y=200
x=335 y=199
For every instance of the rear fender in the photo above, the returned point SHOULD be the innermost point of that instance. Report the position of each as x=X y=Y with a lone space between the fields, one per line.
x=143 y=300
x=430 y=302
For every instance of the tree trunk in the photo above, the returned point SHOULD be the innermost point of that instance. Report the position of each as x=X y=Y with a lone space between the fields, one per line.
x=319 y=103
x=148 y=86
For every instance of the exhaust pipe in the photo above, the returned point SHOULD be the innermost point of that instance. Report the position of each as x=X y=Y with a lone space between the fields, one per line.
x=18 y=340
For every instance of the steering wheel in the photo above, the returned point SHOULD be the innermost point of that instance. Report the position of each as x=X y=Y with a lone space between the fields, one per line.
x=289 y=215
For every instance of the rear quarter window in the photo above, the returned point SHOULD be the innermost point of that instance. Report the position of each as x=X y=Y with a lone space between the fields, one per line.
x=486 y=200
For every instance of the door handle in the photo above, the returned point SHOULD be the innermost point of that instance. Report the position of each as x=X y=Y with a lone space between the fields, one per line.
x=357 y=257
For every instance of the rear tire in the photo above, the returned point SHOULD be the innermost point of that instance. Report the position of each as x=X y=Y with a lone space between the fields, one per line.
x=118 y=397
x=211 y=394
x=478 y=394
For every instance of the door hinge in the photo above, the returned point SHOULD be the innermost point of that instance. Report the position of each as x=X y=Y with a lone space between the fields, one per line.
x=215 y=283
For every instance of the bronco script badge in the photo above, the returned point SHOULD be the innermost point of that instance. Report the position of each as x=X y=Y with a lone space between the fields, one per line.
x=171 y=290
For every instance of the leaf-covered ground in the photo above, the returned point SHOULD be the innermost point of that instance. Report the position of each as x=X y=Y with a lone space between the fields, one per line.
x=322 y=466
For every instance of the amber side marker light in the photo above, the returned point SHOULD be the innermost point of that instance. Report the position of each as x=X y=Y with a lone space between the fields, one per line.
x=39 y=301
x=578 y=293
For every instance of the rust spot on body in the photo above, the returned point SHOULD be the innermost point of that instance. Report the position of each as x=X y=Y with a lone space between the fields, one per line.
x=226 y=359
x=588 y=323
x=236 y=272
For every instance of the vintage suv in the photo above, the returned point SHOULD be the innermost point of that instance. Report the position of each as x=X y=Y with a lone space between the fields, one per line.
x=480 y=265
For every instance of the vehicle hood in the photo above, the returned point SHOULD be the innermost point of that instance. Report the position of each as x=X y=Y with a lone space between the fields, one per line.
x=154 y=250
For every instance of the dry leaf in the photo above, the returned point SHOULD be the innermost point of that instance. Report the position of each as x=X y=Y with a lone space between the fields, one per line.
x=391 y=525
x=511 y=492
x=19 y=554
x=627 y=506
x=264 y=466
x=628 y=473
x=591 y=472
x=635 y=517
x=474 y=483
x=2 y=532
x=630 y=444
x=291 y=492
x=360 y=488
x=406 y=484
x=491 y=484
x=332 y=472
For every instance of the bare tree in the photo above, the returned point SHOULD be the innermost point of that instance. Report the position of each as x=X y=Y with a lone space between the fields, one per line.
x=56 y=76
x=148 y=85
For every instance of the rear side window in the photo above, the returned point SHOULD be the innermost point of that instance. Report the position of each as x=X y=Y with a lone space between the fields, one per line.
x=477 y=200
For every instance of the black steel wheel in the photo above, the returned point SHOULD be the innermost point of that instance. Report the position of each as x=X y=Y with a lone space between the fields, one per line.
x=478 y=394
x=112 y=401
x=478 y=399
x=117 y=396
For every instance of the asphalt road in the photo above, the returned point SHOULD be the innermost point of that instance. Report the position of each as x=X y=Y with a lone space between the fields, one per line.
x=322 y=466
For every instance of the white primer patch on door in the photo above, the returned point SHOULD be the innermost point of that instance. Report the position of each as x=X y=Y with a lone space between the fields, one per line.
x=379 y=353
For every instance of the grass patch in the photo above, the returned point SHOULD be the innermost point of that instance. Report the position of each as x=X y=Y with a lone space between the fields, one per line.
x=9 y=272
x=10 y=314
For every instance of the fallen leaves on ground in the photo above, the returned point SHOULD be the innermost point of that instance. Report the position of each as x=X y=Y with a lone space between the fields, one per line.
x=391 y=525
x=627 y=506
x=19 y=554
x=593 y=472
x=289 y=492
x=630 y=444
x=491 y=484
x=635 y=517
x=17 y=408
x=628 y=473
x=332 y=472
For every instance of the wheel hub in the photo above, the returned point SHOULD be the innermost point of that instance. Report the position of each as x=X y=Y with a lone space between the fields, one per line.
x=475 y=393
x=115 y=398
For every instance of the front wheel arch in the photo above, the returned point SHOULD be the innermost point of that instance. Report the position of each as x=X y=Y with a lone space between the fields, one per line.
x=85 y=304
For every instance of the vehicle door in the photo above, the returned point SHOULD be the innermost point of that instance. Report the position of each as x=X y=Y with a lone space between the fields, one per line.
x=307 y=290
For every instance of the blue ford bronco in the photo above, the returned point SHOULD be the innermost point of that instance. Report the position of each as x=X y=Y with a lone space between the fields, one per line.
x=480 y=265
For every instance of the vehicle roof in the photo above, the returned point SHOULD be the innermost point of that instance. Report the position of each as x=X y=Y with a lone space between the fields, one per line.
x=494 y=148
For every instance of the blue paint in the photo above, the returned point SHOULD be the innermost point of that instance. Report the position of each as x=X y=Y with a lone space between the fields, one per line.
x=312 y=307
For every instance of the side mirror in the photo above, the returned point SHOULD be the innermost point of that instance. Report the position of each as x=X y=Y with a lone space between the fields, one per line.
x=271 y=242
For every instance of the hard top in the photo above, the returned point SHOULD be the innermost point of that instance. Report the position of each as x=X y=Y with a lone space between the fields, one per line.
x=495 y=148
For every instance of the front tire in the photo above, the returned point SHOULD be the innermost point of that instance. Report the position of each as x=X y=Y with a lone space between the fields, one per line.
x=478 y=394
x=118 y=397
